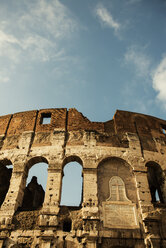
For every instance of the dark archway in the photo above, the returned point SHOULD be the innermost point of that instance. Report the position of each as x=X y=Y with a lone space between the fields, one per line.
x=67 y=225
x=156 y=181
x=6 y=168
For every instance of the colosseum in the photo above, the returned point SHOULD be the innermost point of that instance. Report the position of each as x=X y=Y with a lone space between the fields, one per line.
x=123 y=169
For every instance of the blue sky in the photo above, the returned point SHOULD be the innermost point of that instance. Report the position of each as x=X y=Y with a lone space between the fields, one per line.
x=96 y=56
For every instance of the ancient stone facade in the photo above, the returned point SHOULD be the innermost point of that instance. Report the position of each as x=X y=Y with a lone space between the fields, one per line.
x=124 y=188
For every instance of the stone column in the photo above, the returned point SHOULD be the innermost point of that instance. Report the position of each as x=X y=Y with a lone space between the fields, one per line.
x=51 y=203
x=45 y=242
x=2 y=241
x=164 y=186
x=15 y=194
x=90 y=200
x=91 y=243
x=150 y=220
x=90 y=211
x=143 y=191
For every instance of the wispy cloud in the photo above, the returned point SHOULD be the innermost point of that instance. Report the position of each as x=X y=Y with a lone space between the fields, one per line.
x=135 y=56
x=3 y=76
x=34 y=32
x=159 y=81
x=133 y=1
x=106 y=17
x=144 y=67
x=51 y=19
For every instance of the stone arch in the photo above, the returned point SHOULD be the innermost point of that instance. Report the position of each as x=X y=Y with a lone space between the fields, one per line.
x=157 y=182
x=107 y=158
x=34 y=160
x=115 y=166
x=34 y=193
x=72 y=182
x=5 y=176
x=72 y=158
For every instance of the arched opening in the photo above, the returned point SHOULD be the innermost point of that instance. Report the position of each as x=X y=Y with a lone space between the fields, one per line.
x=67 y=223
x=6 y=168
x=71 y=194
x=34 y=192
x=114 y=167
x=156 y=181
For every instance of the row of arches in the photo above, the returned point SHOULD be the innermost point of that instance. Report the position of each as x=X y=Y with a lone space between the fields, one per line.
x=72 y=184
x=36 y=181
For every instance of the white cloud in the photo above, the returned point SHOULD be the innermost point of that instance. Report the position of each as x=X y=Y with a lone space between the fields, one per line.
x=133 y=1
x=159 y=81
x=9 y=46
x=4 y=78
x=7 y=38
x=106 y=18
x=34 y=32
x=51 y=18
x=136 y=56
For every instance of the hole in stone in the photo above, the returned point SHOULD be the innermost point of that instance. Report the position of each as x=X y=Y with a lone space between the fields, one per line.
x=157 y=196
x=10 y=166
x=164 y=131
x=46 y=118
x=67 y=225
x=163 y=128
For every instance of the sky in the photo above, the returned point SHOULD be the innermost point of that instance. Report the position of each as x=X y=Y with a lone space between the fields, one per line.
x=95 y=56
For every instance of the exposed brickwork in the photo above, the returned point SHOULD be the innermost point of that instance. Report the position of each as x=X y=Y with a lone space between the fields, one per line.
x=4 y=121
x=21 y=122
x=76 y=121
x=58 y=120
x=110 y=133
x=124 y=122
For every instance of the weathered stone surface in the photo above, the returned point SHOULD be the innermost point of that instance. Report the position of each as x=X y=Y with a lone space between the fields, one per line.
x=26 y=220
x=124 y=187
x=119 y=215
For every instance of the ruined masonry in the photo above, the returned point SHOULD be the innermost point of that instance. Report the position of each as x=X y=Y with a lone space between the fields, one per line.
x=123 y=168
